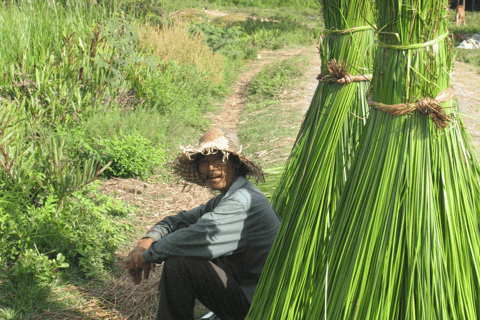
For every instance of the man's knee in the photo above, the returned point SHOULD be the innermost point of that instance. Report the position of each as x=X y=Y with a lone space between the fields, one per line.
x=182 y=266
x=173 y=263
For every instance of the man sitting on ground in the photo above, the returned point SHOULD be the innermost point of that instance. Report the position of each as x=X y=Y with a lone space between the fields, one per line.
x=215 y=252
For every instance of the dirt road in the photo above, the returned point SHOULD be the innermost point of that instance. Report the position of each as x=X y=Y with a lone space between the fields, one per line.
x=466 y=81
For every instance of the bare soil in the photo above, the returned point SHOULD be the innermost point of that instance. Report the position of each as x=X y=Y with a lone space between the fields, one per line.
x=466 y=81
x=119 y=298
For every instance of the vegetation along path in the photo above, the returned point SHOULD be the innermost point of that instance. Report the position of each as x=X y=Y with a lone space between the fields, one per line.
x=130 y=82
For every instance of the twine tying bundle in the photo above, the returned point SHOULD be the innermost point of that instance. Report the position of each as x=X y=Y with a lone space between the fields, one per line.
x=347 y=31
x=338 y=73
x=426 y=106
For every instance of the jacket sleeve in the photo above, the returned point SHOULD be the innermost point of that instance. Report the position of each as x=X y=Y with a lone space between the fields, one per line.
x=215 y=233
x=180 y=220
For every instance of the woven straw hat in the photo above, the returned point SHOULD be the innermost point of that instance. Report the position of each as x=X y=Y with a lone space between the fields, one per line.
x=213 y=141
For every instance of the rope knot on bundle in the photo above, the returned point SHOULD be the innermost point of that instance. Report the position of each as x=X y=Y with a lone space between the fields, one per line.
x=338 y=73
x=427 y=106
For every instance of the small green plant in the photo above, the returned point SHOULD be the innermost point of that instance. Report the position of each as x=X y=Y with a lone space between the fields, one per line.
x=131 y=156
x=37 y=243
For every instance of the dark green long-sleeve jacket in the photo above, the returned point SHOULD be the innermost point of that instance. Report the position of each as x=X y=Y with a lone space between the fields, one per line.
x=237 y=229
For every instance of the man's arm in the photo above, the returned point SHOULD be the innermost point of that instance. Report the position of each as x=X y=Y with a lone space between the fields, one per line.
x=136 y=264
x=172 y=223
x=216 y=233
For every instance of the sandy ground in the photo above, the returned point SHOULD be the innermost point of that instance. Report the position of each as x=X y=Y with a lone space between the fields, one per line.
x=466 y=81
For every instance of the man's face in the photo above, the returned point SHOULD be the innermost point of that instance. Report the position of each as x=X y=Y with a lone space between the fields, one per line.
x=217 y=174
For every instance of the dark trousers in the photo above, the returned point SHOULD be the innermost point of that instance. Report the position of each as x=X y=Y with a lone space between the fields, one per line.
x=185 y=279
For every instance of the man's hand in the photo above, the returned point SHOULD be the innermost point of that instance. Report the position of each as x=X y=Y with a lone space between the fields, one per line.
x=136 y=264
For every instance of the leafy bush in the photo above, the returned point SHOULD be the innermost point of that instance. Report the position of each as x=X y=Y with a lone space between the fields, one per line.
x=131 y=156
x=38 y=241
x=231 y=41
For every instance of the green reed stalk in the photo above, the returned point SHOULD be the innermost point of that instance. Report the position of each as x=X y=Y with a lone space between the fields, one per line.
x=405 y=241
x=314 y=177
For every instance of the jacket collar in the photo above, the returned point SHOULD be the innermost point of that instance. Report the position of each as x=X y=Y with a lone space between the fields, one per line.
x=237 y=184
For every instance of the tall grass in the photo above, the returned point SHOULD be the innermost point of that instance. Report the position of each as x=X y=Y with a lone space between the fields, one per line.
x=175 y=42
x=404 y=241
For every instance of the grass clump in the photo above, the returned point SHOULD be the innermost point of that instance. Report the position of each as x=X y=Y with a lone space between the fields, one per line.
x=175 y=42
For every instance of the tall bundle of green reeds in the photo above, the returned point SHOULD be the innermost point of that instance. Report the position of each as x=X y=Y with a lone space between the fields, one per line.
x=315 y=175
x=405 y=241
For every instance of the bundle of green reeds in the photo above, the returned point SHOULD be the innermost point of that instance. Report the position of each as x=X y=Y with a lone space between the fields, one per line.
x=405 y=240
x=315 y=174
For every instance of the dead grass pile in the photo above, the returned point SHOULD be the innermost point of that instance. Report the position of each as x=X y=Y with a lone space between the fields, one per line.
x=156 y=201
x=176 y=43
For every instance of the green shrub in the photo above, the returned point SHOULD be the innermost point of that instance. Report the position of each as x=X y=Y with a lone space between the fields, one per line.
x=181 y=93
x=131 y=156
x=230 y=41
x=37 y=243
x=41 y=240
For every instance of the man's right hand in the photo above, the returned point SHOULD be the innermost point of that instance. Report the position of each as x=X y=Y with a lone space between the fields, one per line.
x=136 y=264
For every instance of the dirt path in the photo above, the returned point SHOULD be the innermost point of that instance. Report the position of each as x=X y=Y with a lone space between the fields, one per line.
x=234 y=104
x=466 y=81
x=166 y=199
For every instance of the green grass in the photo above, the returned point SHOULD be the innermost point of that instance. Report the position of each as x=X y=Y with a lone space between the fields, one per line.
x=470 y=56
x=266 y=122
x=472 y=25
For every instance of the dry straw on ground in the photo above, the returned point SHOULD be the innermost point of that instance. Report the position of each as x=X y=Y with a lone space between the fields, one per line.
x=118 y=297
